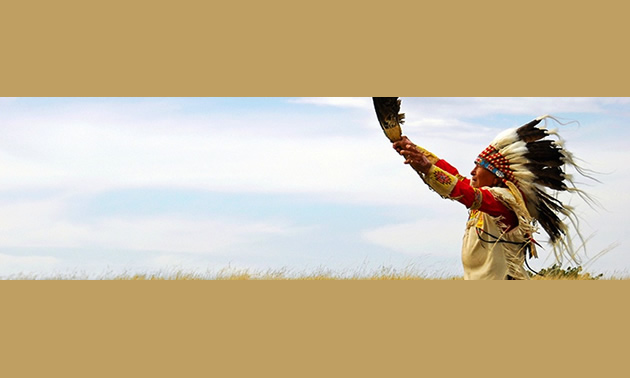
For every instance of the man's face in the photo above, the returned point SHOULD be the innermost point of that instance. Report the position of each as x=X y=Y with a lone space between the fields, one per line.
x=482 y=177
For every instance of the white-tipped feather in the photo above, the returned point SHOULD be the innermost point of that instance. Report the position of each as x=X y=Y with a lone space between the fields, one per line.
x=505 y=137
x=543 y=117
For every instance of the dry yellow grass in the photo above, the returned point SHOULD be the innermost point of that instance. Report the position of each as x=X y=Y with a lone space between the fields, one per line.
x=286 y=275
x=331 y=277
x=231 y=274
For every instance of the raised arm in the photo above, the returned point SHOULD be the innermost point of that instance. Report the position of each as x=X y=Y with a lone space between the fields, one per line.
x=445 y=179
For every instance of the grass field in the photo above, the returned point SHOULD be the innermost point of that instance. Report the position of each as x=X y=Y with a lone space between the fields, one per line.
x=384 y=273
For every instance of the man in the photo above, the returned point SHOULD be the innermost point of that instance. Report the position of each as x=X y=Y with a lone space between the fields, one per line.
x=507 y=198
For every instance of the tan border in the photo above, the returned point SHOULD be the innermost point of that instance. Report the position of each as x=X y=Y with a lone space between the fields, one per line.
x=276 y=48
x=313 y=328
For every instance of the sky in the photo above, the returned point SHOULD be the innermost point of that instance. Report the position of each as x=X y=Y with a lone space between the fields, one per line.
x=105 y=186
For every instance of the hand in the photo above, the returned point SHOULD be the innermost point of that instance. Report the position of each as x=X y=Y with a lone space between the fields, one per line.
x=412 y=155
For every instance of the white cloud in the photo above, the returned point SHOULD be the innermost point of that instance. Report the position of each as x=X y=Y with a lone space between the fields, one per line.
x=167 y=234
x=97 y=157
x=36 y=223
x=430 y=234
x=472 y=107
x=12 y=264
x=46 y=224
x=27 y=260
x=343 y=102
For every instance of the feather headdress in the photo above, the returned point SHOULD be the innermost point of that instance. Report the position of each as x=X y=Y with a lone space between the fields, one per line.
x=524 y=157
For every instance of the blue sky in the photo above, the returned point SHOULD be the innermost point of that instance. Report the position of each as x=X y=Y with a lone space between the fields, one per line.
x=109 y=185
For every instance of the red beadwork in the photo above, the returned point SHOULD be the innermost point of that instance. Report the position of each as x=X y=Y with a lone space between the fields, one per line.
x=498 y=161
x=443 y=178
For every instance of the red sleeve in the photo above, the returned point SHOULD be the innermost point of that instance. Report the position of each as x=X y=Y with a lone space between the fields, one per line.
x=481 y=199
x=443 y=164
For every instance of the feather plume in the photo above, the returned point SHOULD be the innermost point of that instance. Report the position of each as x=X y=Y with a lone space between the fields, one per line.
x=389 y=116
x=530 y=133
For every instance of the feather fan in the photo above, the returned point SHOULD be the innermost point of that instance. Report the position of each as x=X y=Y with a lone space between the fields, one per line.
x=389 y=116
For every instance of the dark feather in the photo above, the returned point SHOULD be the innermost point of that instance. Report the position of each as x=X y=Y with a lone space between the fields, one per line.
x=546 y=161
x=389 y=116
x=549 y=201
x=551 y=183
x=549 y=221
x=545 y=152
x=551 y=177
x=548 y=207
x=530 y=133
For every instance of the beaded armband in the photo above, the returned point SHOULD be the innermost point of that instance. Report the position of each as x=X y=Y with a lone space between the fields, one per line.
x=440 y=181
